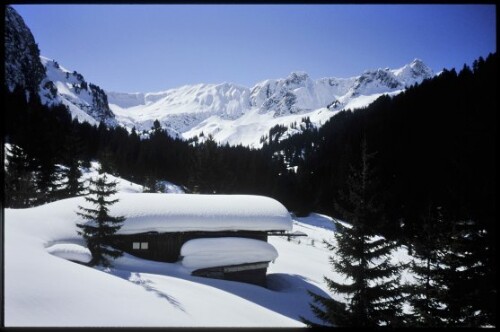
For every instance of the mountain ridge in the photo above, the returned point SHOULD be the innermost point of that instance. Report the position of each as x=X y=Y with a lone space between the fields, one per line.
x=228 y=112
x=217 y=109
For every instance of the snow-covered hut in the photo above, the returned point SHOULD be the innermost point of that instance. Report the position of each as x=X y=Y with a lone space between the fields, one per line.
x=218 y=236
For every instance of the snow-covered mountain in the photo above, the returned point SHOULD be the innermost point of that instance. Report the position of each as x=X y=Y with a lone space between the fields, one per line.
x=230 y=113
x=85 y=101
x=25 y=67
x=236 y=114
x=181 y=109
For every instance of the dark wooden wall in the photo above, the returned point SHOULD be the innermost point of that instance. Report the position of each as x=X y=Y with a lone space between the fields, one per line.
x=166 y=247
x=256 y=276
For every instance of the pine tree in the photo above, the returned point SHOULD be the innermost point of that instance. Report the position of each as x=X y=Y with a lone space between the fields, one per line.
x=156 y=128
x=450 y=268
x=462 y=274
x=72 y=154
x=20 y=179
x=73 y=186
x=49 y=181
x=426 y=293
x=373 y=294
x=100 y=225
x=152 y=185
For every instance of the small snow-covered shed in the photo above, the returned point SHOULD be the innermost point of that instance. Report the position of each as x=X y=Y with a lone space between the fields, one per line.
x=158 y=226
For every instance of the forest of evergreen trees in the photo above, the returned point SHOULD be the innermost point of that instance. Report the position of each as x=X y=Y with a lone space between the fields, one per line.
x=433 y=145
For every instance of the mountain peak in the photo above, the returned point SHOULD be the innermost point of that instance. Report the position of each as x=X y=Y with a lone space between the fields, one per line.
x=414 y=72
x=417 y=61
x=298 y=75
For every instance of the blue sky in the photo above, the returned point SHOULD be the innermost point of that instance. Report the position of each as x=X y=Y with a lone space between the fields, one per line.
x=146 y=48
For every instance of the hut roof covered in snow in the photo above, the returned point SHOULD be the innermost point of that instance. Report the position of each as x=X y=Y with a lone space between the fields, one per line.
x=185 y=212
x=213 y=252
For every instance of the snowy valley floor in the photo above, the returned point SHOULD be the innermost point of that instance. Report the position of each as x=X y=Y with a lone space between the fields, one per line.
x=45 y=290
x=42 y=289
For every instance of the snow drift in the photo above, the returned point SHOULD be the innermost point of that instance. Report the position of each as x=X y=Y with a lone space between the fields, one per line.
x=214 y=252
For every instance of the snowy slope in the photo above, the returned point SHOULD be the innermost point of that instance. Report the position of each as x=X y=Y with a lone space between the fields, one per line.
x=44 y=288
x=86 y=102
x=125 y=186
x=239 y=115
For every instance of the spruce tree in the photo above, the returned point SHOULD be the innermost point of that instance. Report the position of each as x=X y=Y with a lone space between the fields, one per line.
x=462 y=274
x=427 y=292
x=73 y=154
x=451 y=268
x=152 y=185
x=73 y=186
x=373 y=294
x=20 y=179
x=100 y=225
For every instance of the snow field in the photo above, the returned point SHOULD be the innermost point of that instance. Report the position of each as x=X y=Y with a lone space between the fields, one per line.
x=44 y=289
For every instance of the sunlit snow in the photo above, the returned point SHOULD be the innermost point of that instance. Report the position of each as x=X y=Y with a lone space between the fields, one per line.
x=43 y=287
x=213 y=252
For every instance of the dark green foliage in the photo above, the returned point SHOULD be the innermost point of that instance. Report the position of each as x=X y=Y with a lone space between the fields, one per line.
x=100 y=225
x=73 y=186
x=453 y=275
x=427 y=293
x=373 y=294
x=463 y=274
x=49 y=85
x=420 y=135
x=156 y=129
x=20 y=177
x=153 y=186
x=73 y=153
x=49 y=181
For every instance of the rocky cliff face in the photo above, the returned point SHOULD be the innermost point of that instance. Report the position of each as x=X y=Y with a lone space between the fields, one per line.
x=22 y=56
x=25 y=67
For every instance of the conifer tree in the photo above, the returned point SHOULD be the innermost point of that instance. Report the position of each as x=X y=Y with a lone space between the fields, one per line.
x=100 y=225
x=152 y=185
x=20 y=179
x=373 y=294
x=451 y=268
x=463 y=273
x=73 y=153
x=73 y=186
x=426 y=293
